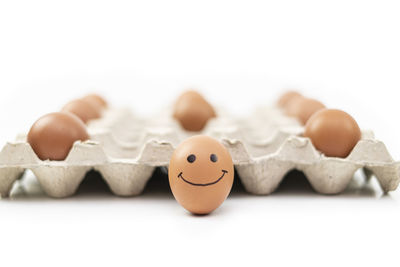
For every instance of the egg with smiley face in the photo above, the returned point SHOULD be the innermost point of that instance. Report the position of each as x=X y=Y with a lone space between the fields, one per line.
x=201 y=174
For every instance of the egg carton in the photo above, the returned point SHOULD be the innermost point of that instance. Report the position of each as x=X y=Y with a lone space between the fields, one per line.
x=264 y=146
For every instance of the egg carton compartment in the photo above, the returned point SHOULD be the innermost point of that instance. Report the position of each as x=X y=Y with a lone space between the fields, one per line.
x=264 y=146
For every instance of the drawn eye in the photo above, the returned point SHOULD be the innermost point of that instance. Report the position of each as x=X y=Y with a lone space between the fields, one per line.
x=191 y=158
x=213 y=158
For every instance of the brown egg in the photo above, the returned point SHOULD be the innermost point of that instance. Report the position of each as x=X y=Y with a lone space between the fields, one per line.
x=287 y=97
x=193 y=111
x=52 y=136
x=96 y=100
x=83 y=109
x=189 y=94
x=333 y=132
x=201 y=174
x=303 y=108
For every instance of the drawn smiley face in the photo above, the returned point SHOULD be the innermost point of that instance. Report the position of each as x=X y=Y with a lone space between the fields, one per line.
x=201 y=174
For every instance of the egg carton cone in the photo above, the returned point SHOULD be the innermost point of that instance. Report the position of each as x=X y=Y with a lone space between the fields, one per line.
x=125 y=149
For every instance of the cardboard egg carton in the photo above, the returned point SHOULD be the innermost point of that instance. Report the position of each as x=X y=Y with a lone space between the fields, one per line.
x=264 y=146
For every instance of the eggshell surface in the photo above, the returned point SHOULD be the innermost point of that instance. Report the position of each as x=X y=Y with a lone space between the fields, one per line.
x=303 y=108
x=333 y=132
x=201 y=174
x=192 y=111
x=83 y=109
x=96 y=99
x=52 y=136
x=287 y=97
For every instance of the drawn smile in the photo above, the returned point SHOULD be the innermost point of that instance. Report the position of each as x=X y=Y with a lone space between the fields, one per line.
x=207 y=184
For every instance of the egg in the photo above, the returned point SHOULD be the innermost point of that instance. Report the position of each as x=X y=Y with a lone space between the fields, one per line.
x=189 y=95
x=303 y=108
x=287 y=97
x=96 y=100
x=201 y=174
x=333 y=132
x=192 y=111
x=52 y=136
x=83 y=109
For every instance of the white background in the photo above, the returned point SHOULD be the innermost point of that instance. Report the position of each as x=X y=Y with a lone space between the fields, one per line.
x=239 y=54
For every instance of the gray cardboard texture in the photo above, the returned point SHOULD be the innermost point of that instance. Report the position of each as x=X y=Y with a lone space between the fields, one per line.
x=264 y=146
